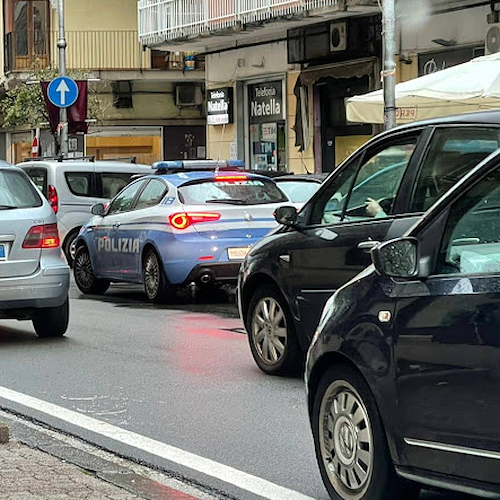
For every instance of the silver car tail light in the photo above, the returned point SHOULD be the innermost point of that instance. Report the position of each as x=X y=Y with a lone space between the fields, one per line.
x=43 y=236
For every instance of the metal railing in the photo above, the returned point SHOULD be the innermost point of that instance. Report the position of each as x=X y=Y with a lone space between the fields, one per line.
x=161 y=20
x=87 y=50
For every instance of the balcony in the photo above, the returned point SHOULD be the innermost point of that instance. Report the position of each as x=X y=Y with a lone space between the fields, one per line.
x=92 y=51
x=163 y=23
x=87 y=51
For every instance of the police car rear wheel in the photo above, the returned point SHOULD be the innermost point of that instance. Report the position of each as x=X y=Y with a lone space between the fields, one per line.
x=85 y=278
x=271 y=335
x=155 y=282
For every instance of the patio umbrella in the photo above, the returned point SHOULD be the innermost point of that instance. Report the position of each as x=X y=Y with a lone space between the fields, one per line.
x=463 y=88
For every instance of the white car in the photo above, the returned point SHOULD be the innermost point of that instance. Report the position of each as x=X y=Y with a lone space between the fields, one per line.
x=73 y=186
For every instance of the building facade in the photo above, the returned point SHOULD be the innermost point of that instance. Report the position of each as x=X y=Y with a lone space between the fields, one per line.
x=151 y=103
x=289 y=66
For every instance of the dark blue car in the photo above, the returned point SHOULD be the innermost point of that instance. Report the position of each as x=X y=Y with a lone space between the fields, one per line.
x=403 y=371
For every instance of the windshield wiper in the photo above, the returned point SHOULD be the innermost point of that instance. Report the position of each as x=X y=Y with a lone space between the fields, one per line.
x=7 y=207
x=229 y=201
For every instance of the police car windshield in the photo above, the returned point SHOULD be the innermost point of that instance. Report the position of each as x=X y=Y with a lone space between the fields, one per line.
x=232 y=191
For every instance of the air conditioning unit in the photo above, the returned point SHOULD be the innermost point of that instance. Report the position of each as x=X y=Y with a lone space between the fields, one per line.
x=492 y=41
x=188 y=95
x=338 y=36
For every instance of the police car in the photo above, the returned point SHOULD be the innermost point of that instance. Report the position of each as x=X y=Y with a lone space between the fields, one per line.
x=188 y=222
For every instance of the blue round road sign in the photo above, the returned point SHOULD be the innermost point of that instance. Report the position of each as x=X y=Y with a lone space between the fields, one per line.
x=62 y=92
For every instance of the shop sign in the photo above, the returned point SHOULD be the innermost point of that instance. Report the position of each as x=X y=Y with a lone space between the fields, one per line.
x=268 y=131
x=220 y=106
x=406 y=114
x=265 y=102
x=432 y=62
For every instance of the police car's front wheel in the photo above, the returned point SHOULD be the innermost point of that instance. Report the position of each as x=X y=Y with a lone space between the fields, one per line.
x=85 y=278
x=156 y=285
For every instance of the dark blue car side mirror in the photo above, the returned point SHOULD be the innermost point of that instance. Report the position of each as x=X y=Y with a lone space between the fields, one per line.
x=397 y=258
x=286 y=215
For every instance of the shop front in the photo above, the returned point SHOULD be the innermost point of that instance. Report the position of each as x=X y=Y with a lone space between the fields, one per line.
x=267 y=133
x=338 y=59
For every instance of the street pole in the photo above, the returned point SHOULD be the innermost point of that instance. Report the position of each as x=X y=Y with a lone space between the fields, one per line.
x=63 y=112
x=389 y=71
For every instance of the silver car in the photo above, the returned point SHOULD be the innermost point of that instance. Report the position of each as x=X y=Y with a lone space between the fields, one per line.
x=34 y=275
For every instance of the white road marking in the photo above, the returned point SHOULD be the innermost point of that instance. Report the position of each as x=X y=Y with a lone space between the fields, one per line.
x=252 y=484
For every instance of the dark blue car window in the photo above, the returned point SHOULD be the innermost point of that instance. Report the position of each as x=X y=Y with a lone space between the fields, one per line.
x=452 y=153
x=378 y=181
x=379 y=184
x=472 y=237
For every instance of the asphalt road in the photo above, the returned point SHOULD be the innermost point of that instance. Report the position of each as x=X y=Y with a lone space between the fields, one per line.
x=178 y=375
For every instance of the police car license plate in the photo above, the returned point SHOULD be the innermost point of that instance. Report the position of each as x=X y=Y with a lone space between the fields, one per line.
x=3 y=252
x=237 y=253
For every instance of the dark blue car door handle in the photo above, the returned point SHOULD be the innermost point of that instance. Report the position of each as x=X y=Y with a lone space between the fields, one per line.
x=367 y=245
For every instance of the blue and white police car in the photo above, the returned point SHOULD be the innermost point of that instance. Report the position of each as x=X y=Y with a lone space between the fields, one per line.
x=176 y=227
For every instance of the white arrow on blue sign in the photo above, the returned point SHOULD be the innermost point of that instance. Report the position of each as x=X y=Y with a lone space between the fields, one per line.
x=62 y=92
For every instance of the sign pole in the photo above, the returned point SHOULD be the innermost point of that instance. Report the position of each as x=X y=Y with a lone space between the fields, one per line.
x=389 y=72
x=63 y=112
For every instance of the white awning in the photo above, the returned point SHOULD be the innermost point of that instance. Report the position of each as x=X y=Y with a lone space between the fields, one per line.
x=464 y=88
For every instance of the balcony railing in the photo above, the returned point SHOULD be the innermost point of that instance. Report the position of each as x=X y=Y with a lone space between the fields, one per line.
x=87 y=51
x=162 y=20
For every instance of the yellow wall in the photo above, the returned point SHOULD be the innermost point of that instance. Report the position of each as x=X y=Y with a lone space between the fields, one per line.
x=151 y=100
x=219 y=139
x=405 y=71
x=82 y=15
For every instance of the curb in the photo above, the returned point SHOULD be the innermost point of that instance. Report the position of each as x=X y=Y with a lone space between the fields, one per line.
x=105 y=470
x=4 y=433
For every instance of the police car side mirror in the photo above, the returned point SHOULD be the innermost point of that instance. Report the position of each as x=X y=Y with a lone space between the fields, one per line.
x=397 y=258
x=286 y=215
x=98 y=209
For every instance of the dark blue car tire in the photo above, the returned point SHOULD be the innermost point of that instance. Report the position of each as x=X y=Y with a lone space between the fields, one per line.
x=350 y=441
x=156 y=285
x=83 y=272
x=271 y=334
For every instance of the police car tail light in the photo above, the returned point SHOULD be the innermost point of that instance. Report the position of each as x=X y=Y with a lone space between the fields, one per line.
x=52 y=197
x=45 y=236
x=183 y=220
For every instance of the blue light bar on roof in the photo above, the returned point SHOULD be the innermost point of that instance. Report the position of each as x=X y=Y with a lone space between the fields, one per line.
x=198 y=164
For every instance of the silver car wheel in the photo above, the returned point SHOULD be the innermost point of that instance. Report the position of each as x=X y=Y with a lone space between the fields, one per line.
x=346 y=440
x=83 y=269
x=151 y=275
x=269 y=330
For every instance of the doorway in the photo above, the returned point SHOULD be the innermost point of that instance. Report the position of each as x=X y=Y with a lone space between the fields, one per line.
x=338 y=137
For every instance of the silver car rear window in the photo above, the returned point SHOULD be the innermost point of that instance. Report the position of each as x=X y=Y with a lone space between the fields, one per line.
x=16 y=191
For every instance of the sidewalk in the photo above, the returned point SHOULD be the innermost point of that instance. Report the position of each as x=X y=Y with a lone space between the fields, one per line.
x=28 y=474
x=34 y=468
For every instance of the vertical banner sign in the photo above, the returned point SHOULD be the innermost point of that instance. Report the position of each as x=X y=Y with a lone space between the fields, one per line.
x=77 y=113
x=220 y=106
x=266 y=102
